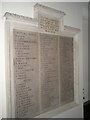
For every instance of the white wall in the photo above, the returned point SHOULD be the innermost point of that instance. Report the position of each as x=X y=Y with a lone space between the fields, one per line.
x=85 y=58
x=85 y=51
x=0 y=71
x=2 y=62
x=73 y=18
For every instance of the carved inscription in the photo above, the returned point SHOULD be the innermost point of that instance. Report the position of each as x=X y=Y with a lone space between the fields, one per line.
x=49 y=71
x=49 y=25
x=39 y=86
x=26 y=73
x=66 y=70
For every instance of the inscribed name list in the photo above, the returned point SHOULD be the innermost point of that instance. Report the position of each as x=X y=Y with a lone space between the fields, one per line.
x=66 y=70
x=49 y=71
x=26 y=73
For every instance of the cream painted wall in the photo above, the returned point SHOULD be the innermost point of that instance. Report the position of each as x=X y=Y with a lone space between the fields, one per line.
x=73 y=18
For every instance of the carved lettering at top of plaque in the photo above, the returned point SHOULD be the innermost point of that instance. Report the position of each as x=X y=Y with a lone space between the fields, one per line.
x=49 y=25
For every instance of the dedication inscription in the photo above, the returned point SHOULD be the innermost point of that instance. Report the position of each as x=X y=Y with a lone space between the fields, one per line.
x=49 y=25
x=26 y=73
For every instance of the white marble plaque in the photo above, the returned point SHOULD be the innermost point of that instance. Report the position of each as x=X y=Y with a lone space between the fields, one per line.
x=26 y=73
x=42 y=63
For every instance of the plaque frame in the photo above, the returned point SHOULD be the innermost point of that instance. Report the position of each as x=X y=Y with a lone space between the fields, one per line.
x=14 y=21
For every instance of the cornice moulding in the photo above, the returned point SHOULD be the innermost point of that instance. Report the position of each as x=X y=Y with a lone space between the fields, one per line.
x=21 y=18
x=38 y=8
